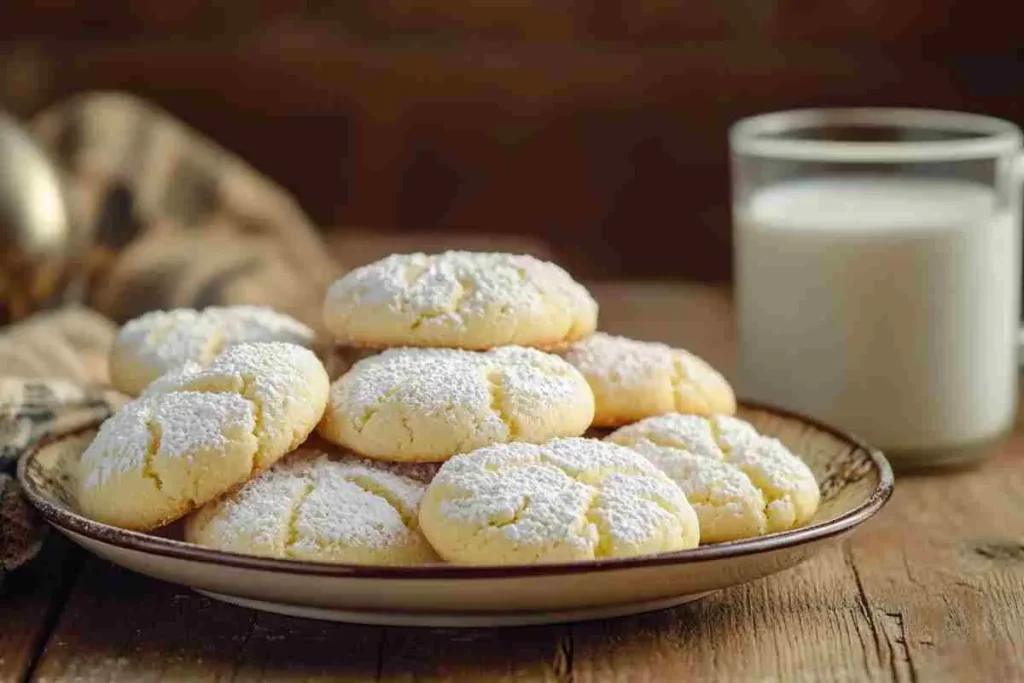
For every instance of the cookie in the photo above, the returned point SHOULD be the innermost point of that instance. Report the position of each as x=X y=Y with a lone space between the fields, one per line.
x=313 y=507
x=425 y=405
x=634 y=379
x=157 y=342
x=198 y=432
x=741 y=483
x=566 y=500
x=458 y=299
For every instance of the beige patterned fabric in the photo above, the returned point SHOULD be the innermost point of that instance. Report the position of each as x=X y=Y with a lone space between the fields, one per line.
x=53 y=370
x=173 y=219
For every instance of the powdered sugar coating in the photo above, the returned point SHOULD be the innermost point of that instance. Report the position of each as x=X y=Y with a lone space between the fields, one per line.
x=121 y=445
x=197 y=432
x=156 y=459
x=255 y=518
x=459 y=299
x=426 y=404
x=741 y=483
x=314 y=507
x=634 y=379
x=156 y=342
x=287 y=384
x=565 y=500
x=172 y=380
x=191 y=421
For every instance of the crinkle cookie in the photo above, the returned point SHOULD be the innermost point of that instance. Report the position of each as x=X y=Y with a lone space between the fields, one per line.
x=313 y=507
x=198 y=432
x=566 y=500
x=634 y=379
x=458 y=299
x=427 y=404
x=159 y=341
x=741 y=483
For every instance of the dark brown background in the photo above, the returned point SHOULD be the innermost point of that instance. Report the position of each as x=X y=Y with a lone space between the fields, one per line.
x=599 y=126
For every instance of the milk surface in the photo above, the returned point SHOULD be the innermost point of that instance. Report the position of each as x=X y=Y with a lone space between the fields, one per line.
x=888 y=307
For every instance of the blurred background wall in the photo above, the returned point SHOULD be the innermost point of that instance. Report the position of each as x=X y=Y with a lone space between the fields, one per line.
x=598 y=126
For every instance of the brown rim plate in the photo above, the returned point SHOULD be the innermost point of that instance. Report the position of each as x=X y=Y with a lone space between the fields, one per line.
x=855 y=479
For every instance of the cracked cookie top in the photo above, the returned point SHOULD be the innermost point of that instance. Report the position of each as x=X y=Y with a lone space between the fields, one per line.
x=634 y=379
x=287 y=385
x=458 y=299
x=425 y=405
x=312 y=506
x=159 y=341
x=740 y=482
x=565 y=500
x=197 y=432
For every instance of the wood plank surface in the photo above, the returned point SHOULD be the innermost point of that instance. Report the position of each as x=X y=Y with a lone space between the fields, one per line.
x=121 y=626
x=930 y=590
x=30 y=604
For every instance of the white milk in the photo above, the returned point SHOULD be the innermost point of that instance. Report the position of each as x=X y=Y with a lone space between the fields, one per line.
x=886 y=306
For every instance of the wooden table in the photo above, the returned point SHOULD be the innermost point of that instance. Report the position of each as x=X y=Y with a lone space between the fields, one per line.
x=931 y=589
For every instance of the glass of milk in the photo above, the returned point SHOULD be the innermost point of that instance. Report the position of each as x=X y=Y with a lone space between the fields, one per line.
x=878 y=274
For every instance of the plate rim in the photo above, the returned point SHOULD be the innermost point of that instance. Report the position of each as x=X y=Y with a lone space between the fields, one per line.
x=458 y=619
x=138 y=541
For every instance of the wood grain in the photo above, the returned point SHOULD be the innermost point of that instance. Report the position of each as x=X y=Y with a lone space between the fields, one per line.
x=31 y=603
x=930 y=590
x=943 y=573
x=121 y=626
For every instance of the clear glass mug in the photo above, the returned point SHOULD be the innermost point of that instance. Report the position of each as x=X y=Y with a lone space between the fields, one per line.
x=878 y=274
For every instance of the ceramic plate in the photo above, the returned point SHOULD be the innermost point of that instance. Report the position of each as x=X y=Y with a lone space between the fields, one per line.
x=855 y=481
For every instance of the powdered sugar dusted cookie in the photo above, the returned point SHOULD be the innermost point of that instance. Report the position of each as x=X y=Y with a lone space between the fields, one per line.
x=740 y=482
x=566 y=500
x=634 y=379
x=313 y=507
x=198 y=432
x=469 y=300
x=287 y=385
x=427 y=404
x=156 y=342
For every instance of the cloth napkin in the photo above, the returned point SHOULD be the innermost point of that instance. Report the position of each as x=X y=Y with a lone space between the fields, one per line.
x=53 y=370
x=173 y=221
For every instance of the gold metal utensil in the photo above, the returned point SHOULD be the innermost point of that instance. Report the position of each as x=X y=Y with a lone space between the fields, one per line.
x=35 y=234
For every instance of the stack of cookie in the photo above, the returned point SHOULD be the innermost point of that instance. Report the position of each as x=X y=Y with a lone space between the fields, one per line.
x=453 y=431
x=455 y=360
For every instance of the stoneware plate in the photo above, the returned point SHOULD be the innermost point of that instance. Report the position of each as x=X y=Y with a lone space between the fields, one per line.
x=855 y=481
